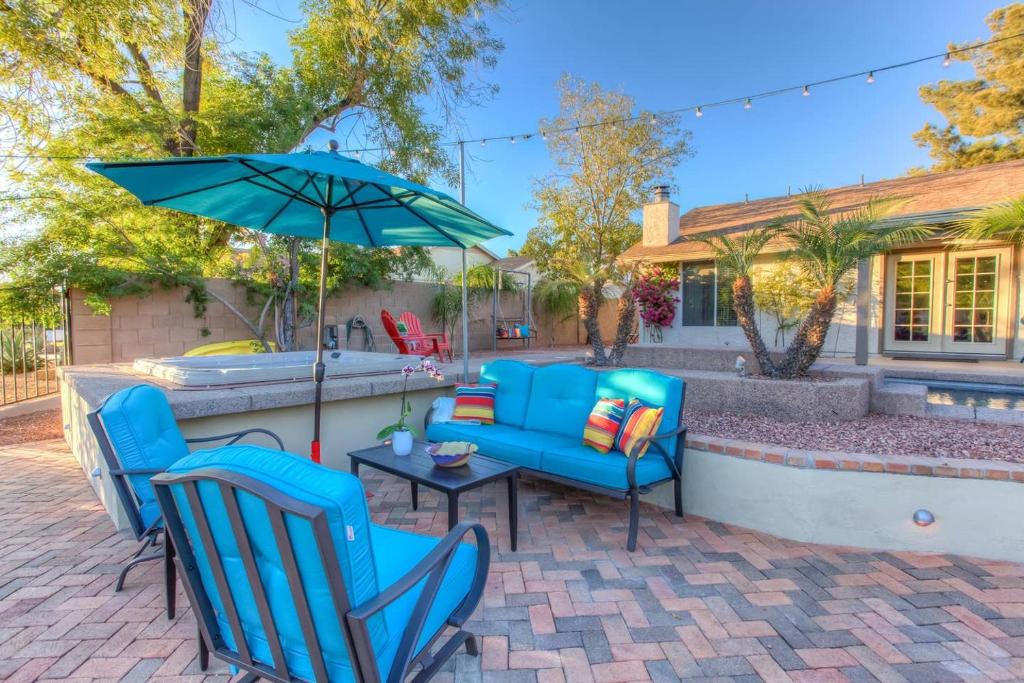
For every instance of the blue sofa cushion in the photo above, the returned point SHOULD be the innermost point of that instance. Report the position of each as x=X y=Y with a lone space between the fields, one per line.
x=343 y=501
x=397 y=552
x=502 y=442
x=514 y=379
x=651 y=388
x=144 y=434
x=561 y=399
x=583 y=463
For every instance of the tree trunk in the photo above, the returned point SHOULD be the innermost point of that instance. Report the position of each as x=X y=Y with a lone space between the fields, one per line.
x=746 y=316
x=626 y=316
x=196 y=13
x=810 y=336
x=290 y=309
x=589 y=307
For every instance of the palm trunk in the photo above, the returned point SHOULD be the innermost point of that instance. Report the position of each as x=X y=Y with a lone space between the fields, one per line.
x=589 y=307
x=290 y=307
x=810 y=336
x=746 y=316
x=626 y=314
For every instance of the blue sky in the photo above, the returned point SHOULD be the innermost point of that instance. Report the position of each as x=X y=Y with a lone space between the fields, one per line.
x=673 y=54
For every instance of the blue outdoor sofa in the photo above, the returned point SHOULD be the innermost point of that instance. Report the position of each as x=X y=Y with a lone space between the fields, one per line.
x=540 y=414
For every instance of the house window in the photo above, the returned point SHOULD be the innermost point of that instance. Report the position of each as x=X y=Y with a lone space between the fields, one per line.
x=707 y=296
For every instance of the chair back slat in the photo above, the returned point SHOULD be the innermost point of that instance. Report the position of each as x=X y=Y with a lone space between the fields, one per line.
x=255 y=580
x=129 y=501
x=412 y=323
x=291 y=570
x=212 y=554
x=392 y=329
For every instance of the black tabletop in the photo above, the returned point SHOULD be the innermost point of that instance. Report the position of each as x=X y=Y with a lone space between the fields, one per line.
x=420 y=468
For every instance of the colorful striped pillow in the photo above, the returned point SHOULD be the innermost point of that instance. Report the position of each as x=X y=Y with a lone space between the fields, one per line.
x=475 y=402
x=603 y=423
x=639 y=422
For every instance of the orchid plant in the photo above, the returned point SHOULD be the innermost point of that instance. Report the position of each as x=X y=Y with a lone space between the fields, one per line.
x=425 y=366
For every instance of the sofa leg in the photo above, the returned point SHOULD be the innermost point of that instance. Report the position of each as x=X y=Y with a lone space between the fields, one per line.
x=170 y=576
x=634 y=520
x=678 y=486
x=472 y=648
x=204 y=653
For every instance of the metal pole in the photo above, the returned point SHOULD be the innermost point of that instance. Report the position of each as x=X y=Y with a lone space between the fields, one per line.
x=465 y=285
x=318 y=368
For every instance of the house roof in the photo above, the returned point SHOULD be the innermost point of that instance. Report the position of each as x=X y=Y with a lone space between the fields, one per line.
x=513 y=262
x=937 y=196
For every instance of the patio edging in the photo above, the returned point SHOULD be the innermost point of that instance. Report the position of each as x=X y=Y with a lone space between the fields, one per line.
x=923 y=466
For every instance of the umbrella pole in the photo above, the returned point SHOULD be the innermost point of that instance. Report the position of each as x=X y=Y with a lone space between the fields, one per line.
x=318 y=368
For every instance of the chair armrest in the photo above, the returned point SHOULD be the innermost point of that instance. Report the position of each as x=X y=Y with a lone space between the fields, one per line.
x=432 y=567
x=653 y=441
x=136 y=470
x=236 y=436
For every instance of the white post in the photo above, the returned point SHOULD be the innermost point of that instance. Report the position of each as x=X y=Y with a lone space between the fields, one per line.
x=465 y=286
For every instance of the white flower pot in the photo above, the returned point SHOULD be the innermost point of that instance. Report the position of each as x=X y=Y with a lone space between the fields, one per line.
x=401 y=442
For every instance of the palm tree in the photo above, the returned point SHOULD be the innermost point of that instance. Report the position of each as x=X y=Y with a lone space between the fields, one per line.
x=827 y=245
x=735 y=257
x=1003 y=221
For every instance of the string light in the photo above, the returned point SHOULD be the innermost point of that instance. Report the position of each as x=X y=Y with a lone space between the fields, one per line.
x=747 y=101
x=512 y=139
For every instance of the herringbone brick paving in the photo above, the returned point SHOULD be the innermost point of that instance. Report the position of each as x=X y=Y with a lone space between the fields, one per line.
x=697 y=601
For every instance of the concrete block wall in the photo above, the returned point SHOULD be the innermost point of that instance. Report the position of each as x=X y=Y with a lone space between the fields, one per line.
x=162 y=323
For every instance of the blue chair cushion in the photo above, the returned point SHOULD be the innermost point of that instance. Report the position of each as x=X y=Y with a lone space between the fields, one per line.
x=144 y=434
x=514 y=379
x=502 y=442
x=341 y=497
x=583 y=463
x=561 y=399
x=651 y=388
x=397 y=552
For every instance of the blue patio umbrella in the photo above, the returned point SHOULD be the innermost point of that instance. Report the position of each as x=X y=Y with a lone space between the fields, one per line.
x=309 y=194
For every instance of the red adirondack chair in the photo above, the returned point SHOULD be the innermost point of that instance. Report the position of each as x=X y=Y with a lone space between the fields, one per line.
x=408 y=345
x=412 y=323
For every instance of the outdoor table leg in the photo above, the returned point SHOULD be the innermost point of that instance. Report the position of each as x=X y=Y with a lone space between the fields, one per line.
x=415 y=495
x=453 y=509
x=353 y=466
x=513 y=508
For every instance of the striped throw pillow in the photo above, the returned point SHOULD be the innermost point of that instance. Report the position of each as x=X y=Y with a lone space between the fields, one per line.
x=475 y=403
x=603 y=423
x=640 y=421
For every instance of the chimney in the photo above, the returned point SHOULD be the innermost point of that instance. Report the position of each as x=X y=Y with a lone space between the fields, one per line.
x=661 y=219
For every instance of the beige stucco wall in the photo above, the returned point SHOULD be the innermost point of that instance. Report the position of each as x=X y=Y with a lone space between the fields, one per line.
x=162 y=323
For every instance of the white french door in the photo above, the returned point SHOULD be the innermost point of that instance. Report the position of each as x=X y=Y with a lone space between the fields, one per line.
x=948 y=301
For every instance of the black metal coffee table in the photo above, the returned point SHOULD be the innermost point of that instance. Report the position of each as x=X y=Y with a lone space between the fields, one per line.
x=418 y=468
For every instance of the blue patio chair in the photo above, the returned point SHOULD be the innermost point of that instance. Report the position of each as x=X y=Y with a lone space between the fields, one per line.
x=139 y=437
x=290 y=581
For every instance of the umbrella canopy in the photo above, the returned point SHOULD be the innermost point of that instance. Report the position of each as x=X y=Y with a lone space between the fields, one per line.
x=287 y=194
x=308 y=194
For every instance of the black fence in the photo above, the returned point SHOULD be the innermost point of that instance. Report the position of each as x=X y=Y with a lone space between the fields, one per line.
x=32 y=346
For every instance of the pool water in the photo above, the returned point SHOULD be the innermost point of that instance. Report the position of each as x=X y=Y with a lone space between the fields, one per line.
x=973 y=394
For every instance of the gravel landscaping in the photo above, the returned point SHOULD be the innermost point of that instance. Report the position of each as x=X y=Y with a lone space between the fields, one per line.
x=874 y=434
x=39 y=426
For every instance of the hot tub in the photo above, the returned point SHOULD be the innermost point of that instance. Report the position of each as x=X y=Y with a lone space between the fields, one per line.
x=208 y=371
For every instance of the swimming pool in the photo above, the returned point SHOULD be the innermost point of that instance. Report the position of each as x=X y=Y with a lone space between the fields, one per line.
x=973 y=394
x=207 y=371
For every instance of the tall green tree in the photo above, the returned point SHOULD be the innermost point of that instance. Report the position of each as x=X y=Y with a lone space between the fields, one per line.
x=151 y=78
x=607 y=158
x=984 y=115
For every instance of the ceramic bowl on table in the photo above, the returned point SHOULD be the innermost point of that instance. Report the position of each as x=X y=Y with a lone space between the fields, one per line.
x=451 y=453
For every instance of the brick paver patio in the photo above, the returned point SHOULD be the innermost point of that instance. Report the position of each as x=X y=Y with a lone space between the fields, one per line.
x=698 y=601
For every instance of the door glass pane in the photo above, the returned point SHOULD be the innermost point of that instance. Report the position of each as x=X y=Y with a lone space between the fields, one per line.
x=913 y=301
x=699 y=294
x=974 y=301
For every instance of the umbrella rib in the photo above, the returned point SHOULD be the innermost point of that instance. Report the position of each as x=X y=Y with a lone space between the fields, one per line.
x=292 y=195
x=283 y=184
x=458 y=208
x=359 y=214
x=323 y=200
x=351 y=193
x=168 y=198
x=429 y=222
x=281 y=210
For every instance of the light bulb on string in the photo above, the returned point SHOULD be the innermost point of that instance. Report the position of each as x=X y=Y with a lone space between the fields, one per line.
x=577 y=131
x=483 y=143
x=654 y=119
x=543 y=135
x=748 y=104
x=947 y=60
x=871 y=77
x=807 y=91
x=699 y=113
x=512 y=139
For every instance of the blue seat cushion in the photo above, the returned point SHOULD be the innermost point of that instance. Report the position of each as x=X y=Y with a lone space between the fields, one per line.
x=501 y=442
x=561 y=399
x=341 y=498
x=144 y=435
x=514 y=379
x=651 y=388
x=395 y=553
x=583 y=463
